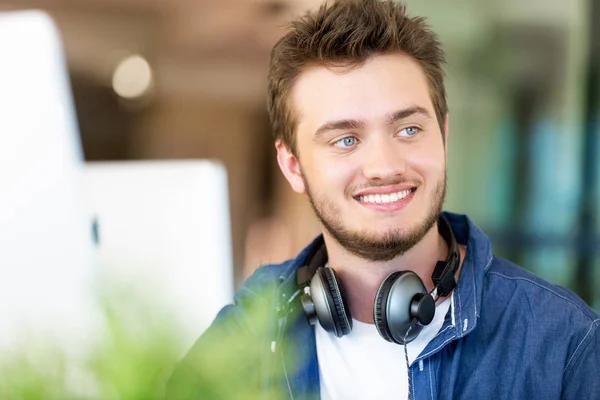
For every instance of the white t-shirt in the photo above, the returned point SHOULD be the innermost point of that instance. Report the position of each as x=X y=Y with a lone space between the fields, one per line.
x=363 y=365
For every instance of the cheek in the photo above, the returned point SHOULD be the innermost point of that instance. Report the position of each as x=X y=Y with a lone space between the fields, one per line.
x=330 y=173
x=427 y=162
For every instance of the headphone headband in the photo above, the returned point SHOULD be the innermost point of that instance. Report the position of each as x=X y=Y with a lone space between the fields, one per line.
x=444 y=271
x=316 y=258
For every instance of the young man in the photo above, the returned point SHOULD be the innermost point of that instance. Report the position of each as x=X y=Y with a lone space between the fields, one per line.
x=397 y=298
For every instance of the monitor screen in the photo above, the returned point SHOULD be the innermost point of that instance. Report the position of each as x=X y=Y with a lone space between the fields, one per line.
x=45 y=238
x=163 y=227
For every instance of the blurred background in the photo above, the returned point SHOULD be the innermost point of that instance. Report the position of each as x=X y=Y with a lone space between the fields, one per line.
x=182 y=79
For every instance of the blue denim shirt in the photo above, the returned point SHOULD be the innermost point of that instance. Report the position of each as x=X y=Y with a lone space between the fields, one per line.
x=507 y=335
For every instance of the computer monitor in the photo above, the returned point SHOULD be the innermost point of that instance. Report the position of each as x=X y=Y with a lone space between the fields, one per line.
x=46 y=268
x=165 y=226
x=65 y=224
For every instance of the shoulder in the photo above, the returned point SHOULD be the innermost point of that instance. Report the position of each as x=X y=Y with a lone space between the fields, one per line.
x=517 y=284
x=276 y=276
x=252 y=307
x=266 y=278
x=544 y=315
x=547 y=314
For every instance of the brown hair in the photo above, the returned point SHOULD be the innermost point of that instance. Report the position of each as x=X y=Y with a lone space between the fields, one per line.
x=347 y=33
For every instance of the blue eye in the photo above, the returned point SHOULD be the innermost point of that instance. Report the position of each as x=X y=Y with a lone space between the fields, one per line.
x=346 y=142
x=410 y=131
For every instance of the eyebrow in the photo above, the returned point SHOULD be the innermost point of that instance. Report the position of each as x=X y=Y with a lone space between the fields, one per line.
x=346 y=124
x=343 y=124
x=407 y=112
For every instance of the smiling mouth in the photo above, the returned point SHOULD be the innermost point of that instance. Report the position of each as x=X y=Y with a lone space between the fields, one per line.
x=385 y=198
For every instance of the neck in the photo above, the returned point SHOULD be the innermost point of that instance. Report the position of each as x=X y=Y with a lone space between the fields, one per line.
x=361 y=278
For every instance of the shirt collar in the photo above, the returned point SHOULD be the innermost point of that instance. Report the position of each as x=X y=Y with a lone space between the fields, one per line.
x=467 y=295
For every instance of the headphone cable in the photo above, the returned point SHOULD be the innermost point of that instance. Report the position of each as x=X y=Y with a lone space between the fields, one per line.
x=433 y=293
x=412 y=324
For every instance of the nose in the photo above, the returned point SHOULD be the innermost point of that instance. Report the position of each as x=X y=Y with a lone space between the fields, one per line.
x=383 y=159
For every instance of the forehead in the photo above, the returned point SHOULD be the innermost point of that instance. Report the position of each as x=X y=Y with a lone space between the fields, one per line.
x=369 y=92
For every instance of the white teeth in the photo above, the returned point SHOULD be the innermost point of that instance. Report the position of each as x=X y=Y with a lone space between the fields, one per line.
x=385 y=198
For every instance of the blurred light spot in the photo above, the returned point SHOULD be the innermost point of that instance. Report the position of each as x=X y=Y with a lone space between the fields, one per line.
x=132 y=77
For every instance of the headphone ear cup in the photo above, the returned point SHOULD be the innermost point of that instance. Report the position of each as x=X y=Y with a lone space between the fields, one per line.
x=380 y=305
x=422 y=308
x=392 y=307
x=330 y=304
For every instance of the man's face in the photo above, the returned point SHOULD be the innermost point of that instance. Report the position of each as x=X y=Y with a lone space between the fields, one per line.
x=371 y=157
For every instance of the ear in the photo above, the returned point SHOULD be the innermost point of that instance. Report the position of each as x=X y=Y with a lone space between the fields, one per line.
x=289 y=165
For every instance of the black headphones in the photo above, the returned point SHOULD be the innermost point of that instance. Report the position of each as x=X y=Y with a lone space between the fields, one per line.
x=402 y=305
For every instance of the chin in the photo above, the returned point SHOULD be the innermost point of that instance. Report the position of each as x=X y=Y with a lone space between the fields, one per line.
x=383 y=235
